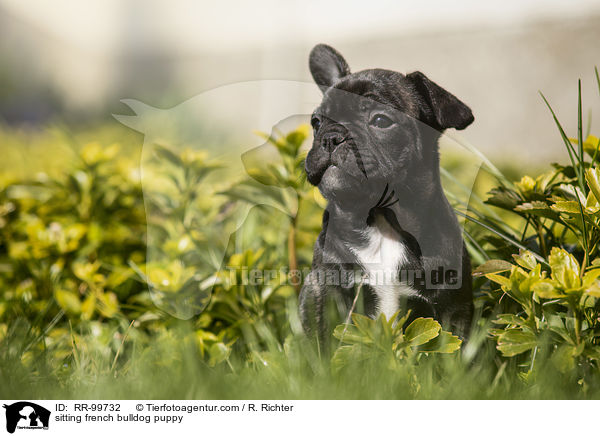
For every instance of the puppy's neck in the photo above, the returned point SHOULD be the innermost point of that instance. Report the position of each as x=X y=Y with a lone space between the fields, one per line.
x=412 y=204
x=350 y=217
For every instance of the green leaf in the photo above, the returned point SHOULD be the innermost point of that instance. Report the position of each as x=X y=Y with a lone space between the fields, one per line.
x=68 y=300
x=538 y=208
x=526 y=184
x=347 y=354
x=590 y=145
x=109 y=304
x=592 y=177
x=593 y=290
x=363 y=323
x=572 y=192
x=514 y=342
x=504 y=281
x=521 y=281
x=492 y=266
x=422 y=330
x=546 y=289
x=218 y=352
x=590 y=278
x=399 y=322
x=261 y=176
x=591 y=204
x=445 y=342
x=384 y=330
x=88 y=307
x=496 y=332
x=504 y=198
x=350 y=334
x=509 y=318
x=165 y=153
x=297 y=137
x=569 y=207
x=85 y=270
x=564 y=358
x=565 y=268
x=526 y=259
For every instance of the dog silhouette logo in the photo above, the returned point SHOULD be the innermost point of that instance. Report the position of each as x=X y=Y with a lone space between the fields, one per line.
x=26 y=415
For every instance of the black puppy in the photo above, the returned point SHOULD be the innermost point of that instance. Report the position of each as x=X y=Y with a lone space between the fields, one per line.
x=389 y=232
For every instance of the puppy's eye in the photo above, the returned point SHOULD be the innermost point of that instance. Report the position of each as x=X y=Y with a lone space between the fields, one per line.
x=315 y=122
x=381 y=121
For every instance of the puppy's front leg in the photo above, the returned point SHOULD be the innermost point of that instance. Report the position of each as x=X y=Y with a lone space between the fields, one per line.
x=449 y=288
x=312 y=300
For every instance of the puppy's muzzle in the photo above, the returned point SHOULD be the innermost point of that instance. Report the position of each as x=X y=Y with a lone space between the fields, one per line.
x=331 y=140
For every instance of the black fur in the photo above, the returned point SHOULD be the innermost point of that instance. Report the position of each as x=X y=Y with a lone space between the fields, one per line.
x=375 y=156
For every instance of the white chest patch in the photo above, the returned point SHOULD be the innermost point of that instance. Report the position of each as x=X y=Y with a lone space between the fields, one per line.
x=381 y=259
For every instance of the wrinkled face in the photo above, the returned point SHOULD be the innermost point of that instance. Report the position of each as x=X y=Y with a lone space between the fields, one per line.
x=368 y=129
x=366 y=134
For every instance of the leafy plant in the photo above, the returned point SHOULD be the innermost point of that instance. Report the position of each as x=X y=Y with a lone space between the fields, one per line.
x=388 y=341
x=558 y=310
x=554 y=278
x=283 y=183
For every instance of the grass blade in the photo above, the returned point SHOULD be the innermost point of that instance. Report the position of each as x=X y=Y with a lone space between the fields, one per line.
x=503 y=236
x=570 y=148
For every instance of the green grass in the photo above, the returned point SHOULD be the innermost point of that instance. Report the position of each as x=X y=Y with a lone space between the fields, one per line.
x=169 y=366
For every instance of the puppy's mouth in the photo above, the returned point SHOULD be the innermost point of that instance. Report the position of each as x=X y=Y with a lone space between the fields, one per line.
x=346 y=162
x=315 y=177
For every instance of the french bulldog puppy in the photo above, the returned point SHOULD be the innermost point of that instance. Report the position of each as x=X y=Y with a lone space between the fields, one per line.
x=390 y=240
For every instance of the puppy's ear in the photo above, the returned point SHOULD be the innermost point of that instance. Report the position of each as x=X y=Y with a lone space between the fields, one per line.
x=327 y=65
x=441 y=110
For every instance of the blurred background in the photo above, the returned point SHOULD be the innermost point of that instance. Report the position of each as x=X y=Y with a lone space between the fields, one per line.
x=71 y=62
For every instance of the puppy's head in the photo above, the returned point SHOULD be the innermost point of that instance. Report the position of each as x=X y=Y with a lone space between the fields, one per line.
x=374 y=127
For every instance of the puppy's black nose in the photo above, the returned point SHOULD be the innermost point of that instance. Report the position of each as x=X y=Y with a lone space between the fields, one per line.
x=331 y=140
